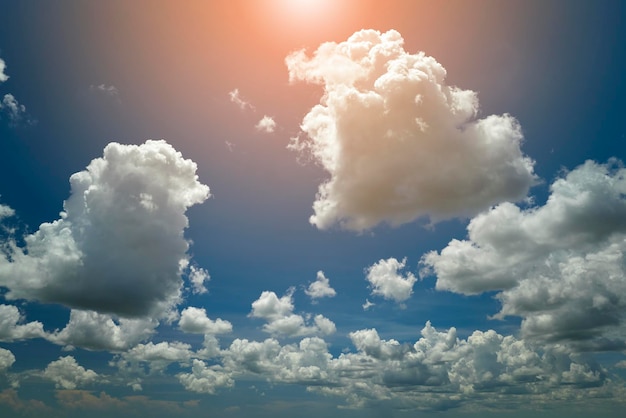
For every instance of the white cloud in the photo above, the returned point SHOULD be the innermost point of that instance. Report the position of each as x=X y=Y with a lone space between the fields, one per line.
x=266 y=124
x=11 y=328
x=195 y=321
x=397 y=141
x=66 y=373
x=12 y=108
x=197 y=277
x=559 y=266
x=158 y=356
x=94 y=331
x=367 y=304
x=235 y=97
x=119 y=243
x=3 y=76
x=278 y=312
x=320 y=288
x=386 y=281
x=6 y=212
x=205 y=379
x=6 y=359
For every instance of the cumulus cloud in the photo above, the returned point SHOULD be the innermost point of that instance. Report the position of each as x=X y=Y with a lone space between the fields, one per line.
x=195 y=321
x=266 y=124
x=6 y=359
x=386 y=280
x=320 y=288
x=157 y=356
x=12 y=108
x=12 y=329
x=204 y=378
x=119 y=245
x=559 y=266
x=278 y=312
x=3 y=76
x=397 y=141
x=198 y=276
x=94 y=331
x=66 y=373
x=6 y=212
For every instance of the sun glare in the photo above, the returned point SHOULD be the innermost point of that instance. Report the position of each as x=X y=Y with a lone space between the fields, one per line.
x=299 y=15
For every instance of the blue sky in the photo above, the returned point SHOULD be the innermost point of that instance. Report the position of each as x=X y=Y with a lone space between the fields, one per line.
x=275 y=207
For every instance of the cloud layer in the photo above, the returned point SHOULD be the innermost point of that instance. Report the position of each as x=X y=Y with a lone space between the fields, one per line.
x=118 y=246
x=560 y=266
x=397 y=141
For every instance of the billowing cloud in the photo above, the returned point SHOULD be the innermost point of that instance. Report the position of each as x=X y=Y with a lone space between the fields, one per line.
x=278 y=312
x=559 y=266
x=204 y=378
x=119 y=245
x=95 y=331
x=266 y=124
x=66 y=373
x=12 y=329
x=6 y=359
x=387 y=281
x=198 y=276
x=157 y=356
x=397 y=141
x=195 y=321
x=3 y=76
x=320 y=288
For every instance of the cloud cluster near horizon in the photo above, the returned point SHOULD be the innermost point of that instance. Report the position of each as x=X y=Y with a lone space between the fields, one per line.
x=397 y=141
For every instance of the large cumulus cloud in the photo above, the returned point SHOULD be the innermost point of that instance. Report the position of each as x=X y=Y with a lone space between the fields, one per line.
x=118 y=246
x=560 y=266
x=397 y=141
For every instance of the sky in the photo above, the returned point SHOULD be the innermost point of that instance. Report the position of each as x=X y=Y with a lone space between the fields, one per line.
x=278 y=208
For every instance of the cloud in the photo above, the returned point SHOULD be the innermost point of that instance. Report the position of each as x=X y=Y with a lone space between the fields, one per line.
x=11 y=328
x=3 y=76
x=158 y=356
x=118 y=246
x=205 y=379
x=66 y=373
x=197 y=277
x=235 y=97
x=397 y=141
x=94 y=331
x=367 y=304
x=6 y=359
x=195 y=321
x=110 y=91
x=560 y=266
x=278 y=312
x=320 y=288
x=6 y=212
x=386 y=281
x=12 y=108
x=266 y=125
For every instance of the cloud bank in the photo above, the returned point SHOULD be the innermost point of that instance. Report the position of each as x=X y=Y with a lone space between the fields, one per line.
x=397 y=141
x=560 y=266
x=118 y=247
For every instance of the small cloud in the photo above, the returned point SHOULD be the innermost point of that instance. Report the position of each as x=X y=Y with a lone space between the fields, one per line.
x=386 y=280
x=367 y=304
x=320 y=288
x=11 y=107
x=229 y=145
x=235 y=97
x=266 y=124
x=110 y=91
x=3 y=76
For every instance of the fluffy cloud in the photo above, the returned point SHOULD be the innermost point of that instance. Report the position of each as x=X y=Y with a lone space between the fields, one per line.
x=198 y=276
x=195 y=321
x=397 y=141
x=320 y=288
x=119 y=243
x=11 y=328
x=95 y=331
x=236 y=98
x=12 y=108
x=3 y=76
x=205 y=379
x=66 y=373
x=158 y=356
x=386 y=281
x=266 y=124
x=559 y=266
x=6 y=359
x=6 y=211
x=278 y=312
